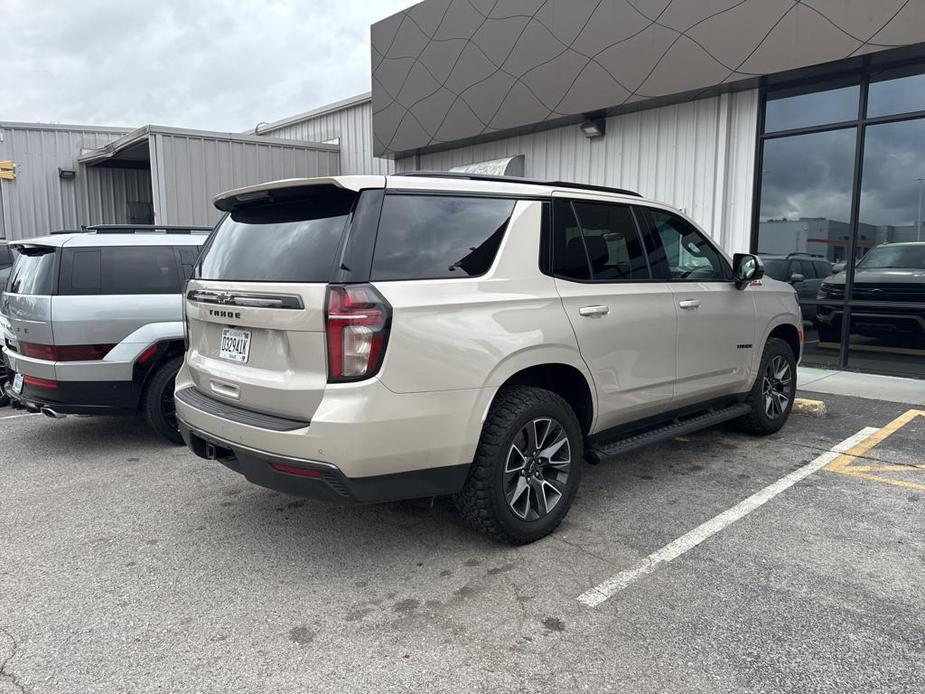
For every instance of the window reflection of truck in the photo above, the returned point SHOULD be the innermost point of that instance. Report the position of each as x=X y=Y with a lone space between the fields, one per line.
x=890 y=273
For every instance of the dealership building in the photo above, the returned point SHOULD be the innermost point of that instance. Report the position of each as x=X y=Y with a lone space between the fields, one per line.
x=792 y=129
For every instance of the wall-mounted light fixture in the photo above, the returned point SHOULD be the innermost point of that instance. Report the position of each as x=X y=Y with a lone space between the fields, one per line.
x=66 y=173
x=594 y=127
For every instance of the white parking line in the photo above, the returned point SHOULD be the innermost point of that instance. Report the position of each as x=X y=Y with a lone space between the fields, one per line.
x=595 y=596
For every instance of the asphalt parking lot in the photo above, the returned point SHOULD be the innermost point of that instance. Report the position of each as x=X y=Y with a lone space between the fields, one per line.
x=129 y=565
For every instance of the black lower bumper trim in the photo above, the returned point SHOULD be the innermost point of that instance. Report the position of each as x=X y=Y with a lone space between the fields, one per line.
x=79 y=397
x=330 y=483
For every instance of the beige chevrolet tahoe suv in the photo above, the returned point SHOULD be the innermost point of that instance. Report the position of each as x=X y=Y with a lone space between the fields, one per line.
x=370 y=338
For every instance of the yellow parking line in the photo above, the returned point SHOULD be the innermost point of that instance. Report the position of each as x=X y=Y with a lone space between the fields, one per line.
x=843 y=462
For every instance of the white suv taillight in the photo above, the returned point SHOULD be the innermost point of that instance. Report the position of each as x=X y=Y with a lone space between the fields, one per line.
x=358 y=319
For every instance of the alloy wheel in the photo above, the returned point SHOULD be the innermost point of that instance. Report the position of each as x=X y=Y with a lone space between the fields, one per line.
x=537 y=468
x=776 y=386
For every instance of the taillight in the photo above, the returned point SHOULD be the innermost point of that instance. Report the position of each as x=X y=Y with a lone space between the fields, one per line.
x=64 y=352
x=358 y=320
x=39 y=382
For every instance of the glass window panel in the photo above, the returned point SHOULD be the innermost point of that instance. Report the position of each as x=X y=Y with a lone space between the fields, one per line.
x=817 y=108
x=806 y=195
x=888 y=339
x=897 y=92
x=822 y=334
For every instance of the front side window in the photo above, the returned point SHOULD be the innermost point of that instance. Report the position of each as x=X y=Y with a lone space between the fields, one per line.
x=686 y=254
x=438 y=236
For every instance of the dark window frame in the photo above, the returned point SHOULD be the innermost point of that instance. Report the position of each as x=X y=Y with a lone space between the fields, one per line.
x=864 y=75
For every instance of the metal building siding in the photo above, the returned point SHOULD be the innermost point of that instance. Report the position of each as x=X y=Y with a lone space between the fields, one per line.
x=187 y=172
x=352 y=126
x=106 y=192
x=38 y=200
x=697 y=156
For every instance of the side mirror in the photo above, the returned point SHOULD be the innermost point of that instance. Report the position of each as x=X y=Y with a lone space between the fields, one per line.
x=838 y=267
x=746 y=268
x=796 y=278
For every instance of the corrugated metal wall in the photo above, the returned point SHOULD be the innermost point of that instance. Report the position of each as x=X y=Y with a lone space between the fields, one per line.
x=38 y=200
x=697 y=156
x=352 y=126
x=187 y=171
x=107 y=192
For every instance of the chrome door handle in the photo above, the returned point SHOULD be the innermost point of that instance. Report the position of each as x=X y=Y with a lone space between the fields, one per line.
x=689 y=303
x=593 y=311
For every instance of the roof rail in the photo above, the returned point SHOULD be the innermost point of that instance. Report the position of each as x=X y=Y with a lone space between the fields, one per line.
x=145 y=228
x=804 y=254
x=517 y=179
x=68 y=231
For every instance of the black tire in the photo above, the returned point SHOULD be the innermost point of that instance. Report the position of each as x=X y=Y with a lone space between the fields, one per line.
x=157 y=404
x=483 y=502
x=768 y=418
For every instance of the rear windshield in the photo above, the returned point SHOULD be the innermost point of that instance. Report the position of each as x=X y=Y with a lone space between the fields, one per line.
x=282 y=242
x=35 y=272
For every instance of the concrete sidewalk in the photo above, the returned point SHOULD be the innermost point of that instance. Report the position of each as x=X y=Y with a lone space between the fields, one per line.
x=871 y=386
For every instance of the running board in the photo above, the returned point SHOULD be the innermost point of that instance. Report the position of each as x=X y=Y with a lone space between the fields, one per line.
x=596 y=453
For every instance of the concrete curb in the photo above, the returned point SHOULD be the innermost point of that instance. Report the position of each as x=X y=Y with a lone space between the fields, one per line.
x=813 y=408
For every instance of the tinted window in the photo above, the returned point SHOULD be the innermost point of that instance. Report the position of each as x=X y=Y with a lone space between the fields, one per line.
x=85 y=271
x=4 y=276
x=805 y=204
x=823 y=269
x=570 y=260
x=284 y=242
x=438 y=237
x=776 y=269
x=139 y=270
x=786 y=111
x=802 y=267
x=611 y=241
x=687 y=253
x=901 y=91
x=35 y=272
x=6 y=258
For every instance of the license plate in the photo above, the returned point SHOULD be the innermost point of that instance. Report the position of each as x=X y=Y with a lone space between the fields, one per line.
x=17 y=384
x=236 y=345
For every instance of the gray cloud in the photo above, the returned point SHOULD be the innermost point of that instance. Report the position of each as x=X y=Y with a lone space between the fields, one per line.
x=216 y=64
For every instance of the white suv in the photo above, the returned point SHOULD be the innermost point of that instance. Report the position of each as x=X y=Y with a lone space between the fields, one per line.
x=378 y=338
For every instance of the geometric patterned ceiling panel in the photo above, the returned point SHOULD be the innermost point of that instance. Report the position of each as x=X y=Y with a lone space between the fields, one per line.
x=449 y=70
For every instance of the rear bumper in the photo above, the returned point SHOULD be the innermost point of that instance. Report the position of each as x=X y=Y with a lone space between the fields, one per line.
x=327 y=481
x=78 y=397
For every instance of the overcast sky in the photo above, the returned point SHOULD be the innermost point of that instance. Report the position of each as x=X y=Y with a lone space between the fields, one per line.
x=212 y=64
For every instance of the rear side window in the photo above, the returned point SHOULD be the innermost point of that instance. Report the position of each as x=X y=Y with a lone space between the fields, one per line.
x=35 y=272
x=438 y=237
x=120 y=270
x=6 y=258
x=281 y=242
x=598 y=241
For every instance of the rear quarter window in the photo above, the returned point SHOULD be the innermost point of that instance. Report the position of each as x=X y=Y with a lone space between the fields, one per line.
x=438 y=237
x=120 y=270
